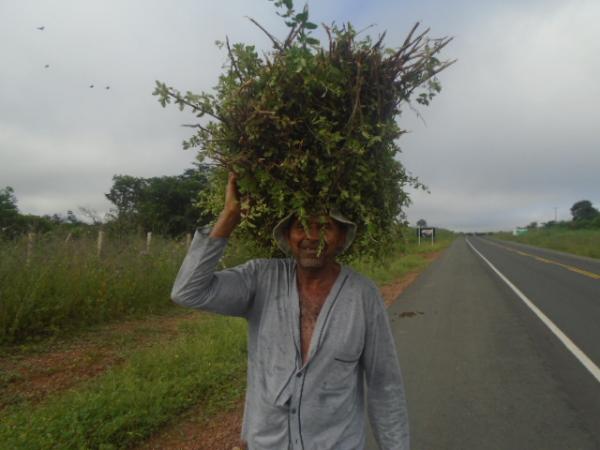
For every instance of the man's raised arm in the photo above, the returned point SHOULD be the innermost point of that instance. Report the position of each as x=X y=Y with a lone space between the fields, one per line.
x=197 y=285
x=232 y=211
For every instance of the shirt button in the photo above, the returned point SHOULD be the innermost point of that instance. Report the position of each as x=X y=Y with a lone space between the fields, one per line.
x=293 y=410
x=299 y=374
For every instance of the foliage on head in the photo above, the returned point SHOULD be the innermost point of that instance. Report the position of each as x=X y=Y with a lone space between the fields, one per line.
x=311 y=128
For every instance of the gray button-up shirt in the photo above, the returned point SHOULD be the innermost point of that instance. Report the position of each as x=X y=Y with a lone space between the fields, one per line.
x=321 y=404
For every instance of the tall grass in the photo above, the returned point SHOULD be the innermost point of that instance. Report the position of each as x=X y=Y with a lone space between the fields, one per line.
x=583 y=242
x=66 y=285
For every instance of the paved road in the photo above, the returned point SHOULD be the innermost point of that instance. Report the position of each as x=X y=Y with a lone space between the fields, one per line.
x=482 y=371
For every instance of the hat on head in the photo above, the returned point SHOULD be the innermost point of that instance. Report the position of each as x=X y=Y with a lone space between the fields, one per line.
x=279 y=232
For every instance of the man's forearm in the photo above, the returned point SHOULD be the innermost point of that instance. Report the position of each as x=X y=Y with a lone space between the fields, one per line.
x=225 y=224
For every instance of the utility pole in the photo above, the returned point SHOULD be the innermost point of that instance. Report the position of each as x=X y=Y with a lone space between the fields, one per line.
x=555 y=214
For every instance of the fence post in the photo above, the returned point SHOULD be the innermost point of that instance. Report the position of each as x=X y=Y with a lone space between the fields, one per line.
x=30 y=239
x=148 y=241
x=188 y=240
x=100 y=243
x=68 y=238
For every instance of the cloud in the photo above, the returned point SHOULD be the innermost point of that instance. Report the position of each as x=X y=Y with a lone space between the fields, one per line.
x=511 y=136
x=514 y=124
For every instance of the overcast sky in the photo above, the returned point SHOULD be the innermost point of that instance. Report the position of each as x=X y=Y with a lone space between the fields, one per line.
x=512 y=138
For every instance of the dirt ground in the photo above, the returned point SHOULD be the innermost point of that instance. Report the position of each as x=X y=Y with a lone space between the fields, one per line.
x=32 y=376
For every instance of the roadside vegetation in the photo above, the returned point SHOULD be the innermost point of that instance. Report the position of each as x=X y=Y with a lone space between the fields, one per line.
x=57 y=287
x=577 y=241
x=580 y=236
x=406 y=257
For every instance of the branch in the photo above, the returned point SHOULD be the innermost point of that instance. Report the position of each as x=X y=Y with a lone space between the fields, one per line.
x=365 y=29
x=441 y=43
x=411 y=46
x=276 y=43
x=173 y=93
x=328 y=31
x=195 y=125
x=293 y=33
x=357 y=98
x=379 y=41
x=233 y=63
x=409 y=37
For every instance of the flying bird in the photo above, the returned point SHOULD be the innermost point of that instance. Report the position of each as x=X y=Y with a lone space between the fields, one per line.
x=107 y=87
x=46 y=66
x=41 y=28
x=91 y=85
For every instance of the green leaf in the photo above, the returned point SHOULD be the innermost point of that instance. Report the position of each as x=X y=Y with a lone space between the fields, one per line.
x=310 y=26
x=301 y=17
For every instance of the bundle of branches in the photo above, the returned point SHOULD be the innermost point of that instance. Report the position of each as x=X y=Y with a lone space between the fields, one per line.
x=311 y=128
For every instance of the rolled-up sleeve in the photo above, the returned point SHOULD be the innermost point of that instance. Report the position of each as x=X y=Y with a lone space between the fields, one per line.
x=386 y=402
x=199 y=286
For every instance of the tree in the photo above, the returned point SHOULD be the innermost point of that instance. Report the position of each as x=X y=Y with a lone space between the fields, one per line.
x=421 y=223
x=165 y=205
x=125 y=194
x=72 y=218
x=9 y=213
x=583 y=211
x=8 y=203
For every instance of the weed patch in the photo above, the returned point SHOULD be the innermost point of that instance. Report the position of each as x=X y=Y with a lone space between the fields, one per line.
x=206 y=364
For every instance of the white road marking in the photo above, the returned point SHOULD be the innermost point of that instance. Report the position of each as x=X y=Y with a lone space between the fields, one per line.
x=576 y=351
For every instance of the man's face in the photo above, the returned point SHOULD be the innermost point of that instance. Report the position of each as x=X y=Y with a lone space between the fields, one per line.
x=305 y=243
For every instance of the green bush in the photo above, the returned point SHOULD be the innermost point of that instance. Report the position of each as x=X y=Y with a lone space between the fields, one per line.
x=312 y=127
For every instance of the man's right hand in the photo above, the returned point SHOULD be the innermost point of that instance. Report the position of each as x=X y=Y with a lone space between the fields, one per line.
x=232 y=211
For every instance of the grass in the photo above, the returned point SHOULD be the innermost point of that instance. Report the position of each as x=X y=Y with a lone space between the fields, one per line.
x=406 y=256
x=66 y=286
x=205 y=364
x=583 y=242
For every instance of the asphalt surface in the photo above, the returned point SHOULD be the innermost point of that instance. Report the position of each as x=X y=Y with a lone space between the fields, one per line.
x=481 y=370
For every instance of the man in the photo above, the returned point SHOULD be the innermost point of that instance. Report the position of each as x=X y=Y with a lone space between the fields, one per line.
x=316 y=331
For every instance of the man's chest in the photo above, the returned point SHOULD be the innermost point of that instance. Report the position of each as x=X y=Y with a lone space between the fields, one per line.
x=290 y=325
x=310 y=308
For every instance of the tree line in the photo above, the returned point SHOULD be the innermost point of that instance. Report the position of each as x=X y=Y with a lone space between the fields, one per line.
x=584 y=216
x=164 y=205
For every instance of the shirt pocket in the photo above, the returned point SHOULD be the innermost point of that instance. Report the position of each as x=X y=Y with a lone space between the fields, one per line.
x=342 y=371
x=347 y=357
